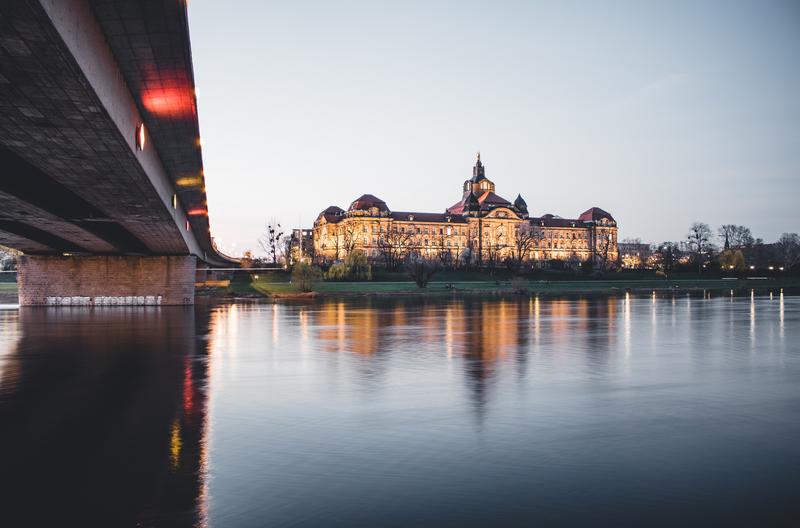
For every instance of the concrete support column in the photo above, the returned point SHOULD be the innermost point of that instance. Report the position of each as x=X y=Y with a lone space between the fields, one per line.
x=105 y=280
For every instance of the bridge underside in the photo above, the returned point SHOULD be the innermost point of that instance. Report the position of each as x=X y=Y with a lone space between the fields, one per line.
x=78 y=78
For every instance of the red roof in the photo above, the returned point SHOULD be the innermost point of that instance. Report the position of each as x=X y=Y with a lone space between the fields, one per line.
x=594 y=214
x=366 y=202
x=488 y=200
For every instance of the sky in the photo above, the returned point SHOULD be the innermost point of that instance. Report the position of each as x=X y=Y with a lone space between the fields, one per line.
x=662 y=113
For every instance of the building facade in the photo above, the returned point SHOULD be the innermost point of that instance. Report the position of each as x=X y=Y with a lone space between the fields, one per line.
x=482 y=229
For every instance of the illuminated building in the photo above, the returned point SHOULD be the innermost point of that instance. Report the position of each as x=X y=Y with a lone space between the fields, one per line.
x=481 y=228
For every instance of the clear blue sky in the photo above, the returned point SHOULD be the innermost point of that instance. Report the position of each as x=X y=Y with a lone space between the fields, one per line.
x=662 y=113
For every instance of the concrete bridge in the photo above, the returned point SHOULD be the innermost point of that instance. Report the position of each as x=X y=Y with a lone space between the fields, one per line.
x=101 y=171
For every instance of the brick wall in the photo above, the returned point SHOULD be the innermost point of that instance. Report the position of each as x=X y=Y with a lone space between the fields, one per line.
x=106 y=280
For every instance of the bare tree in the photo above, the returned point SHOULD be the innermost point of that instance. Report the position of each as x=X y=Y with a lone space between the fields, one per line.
x=337 y=242
x=8 y=258
x=393 y=245
x=524 y=239
x=349 y=237
x=737 y=236
x=667 y=256
x=699 y=241
x=788 y=248
x=271 y=239
x=420 y=269
x=603 y=250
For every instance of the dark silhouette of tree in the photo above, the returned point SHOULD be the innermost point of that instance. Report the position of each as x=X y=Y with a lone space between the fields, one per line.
x=788 y=249
x=699 y=242
x=393 y=245
x=271 y=239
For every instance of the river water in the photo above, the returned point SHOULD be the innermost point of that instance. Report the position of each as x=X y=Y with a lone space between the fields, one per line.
x=401 y=412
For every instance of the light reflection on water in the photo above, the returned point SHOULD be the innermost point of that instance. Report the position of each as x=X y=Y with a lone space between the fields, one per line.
x=657 y=410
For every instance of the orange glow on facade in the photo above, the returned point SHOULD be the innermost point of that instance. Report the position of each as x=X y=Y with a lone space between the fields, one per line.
x=197 y=212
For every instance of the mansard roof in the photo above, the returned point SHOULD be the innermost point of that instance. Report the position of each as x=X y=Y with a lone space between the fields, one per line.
x=549 y=220
x=333 y=209
x=428 y=217
x=365 y=202
x=594 y=214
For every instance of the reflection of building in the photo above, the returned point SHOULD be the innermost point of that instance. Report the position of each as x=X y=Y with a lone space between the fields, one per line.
x=482 y=227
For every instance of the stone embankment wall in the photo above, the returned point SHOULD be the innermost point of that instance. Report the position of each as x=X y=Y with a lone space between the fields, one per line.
x=106 y=280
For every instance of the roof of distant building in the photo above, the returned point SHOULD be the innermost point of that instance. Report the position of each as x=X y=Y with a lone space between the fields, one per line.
x=428 y=217
x=549 y=220
x=595 y=213
x=365 y=202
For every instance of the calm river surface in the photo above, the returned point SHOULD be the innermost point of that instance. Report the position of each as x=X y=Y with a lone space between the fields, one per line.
x=468 y=412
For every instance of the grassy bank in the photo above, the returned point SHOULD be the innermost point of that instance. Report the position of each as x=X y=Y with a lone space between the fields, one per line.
x=274 y=286
x=244 y=286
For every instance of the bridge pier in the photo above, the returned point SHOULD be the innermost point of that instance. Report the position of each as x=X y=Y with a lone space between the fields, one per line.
x=105 y=280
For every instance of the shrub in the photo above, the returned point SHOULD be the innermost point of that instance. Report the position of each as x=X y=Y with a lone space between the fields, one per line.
x=357 y=265
x=421 y=270
x=306 y=275
x=337 y=272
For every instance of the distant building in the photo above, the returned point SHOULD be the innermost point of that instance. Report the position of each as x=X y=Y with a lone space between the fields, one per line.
x=301 y=245
x=634 y=255
x=481 y=228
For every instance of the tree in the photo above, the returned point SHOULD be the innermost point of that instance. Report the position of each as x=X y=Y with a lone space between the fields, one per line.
x=270 y=240
x=524 y=239
x=788 y=249
x=357 y=265
x=737 y=236
x=8 y=258
x=306 y=275
x=349 y=238
x=666 y=256
x=420 y=269
x=730 y=260
x=392 y=246
x=603 y=250
x=699 y=241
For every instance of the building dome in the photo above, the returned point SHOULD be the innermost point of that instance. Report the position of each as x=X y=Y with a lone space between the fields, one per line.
x=366 y=202
x=333 y=210
x=594 y=214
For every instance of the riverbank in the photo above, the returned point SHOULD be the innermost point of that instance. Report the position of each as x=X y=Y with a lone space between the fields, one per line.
x=266 y=288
